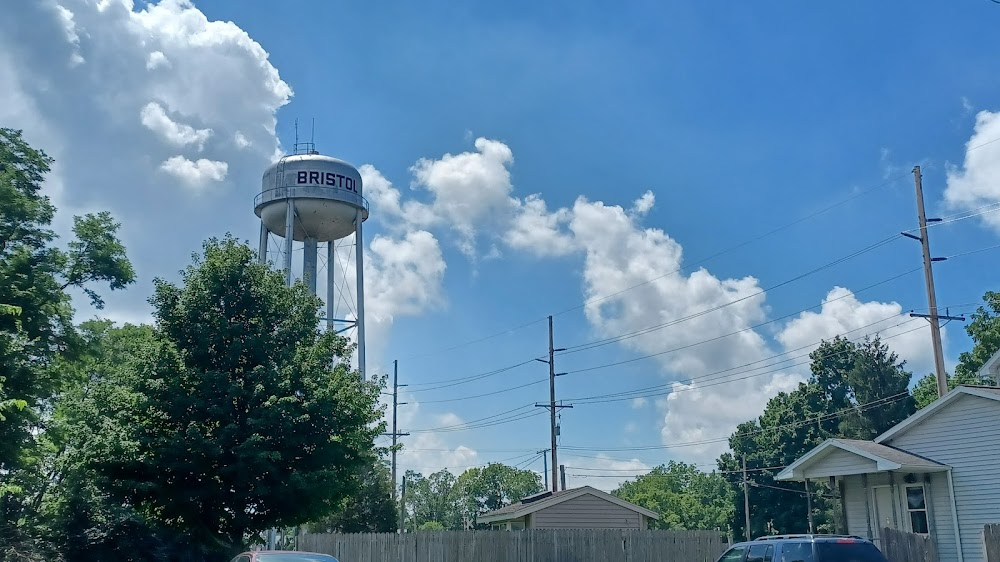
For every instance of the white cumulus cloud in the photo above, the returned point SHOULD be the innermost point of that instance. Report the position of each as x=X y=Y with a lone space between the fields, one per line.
x=155 y=60
x=843 y=314
x=69 y=28
x=155 y=118
x=195 y=173
x=719 y=369
x=538 y=231
x=976 y=183
x=601 y=471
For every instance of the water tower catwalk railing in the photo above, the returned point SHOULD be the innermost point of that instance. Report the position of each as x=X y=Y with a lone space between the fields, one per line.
x=311 y=198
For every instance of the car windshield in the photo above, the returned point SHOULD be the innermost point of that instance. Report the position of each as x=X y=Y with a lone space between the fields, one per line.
x=294 y=557
x=828 y=551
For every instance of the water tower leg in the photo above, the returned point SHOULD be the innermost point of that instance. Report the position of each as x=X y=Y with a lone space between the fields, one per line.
x=331 y=282
x=309 y=254
x=359 y=247
x=262 y=251
x=289 y=235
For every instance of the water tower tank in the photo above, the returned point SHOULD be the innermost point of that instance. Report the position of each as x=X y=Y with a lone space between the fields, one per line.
x=326 y=193
x=311 y=198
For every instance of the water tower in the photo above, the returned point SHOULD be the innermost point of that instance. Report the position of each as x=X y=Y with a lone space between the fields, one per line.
x=310 y=198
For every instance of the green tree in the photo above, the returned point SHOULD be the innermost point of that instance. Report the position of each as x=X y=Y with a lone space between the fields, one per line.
x=432 y=499
x=926 y=389
x=369 y=510
x=233 y=419
x=35 y=276
x=685 y=497
x=984 y=329
x=855 y=391
x=493 y=486
x=877 y=377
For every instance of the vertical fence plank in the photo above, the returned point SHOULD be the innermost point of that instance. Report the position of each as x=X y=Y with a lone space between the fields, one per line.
x=991 y=539
x=899 y=546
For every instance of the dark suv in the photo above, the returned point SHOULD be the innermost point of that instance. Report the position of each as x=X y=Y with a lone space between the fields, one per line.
x=804 y=548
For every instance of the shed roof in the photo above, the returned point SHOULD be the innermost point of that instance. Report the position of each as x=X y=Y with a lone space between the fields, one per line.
x=545 y=500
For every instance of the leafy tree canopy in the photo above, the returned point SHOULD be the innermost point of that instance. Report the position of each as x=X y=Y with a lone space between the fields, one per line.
x=454 y=503
x=371 y=509
x=984 y=329
x=856 y=390
x=36 y=317
x=231 y=418
x=685 y=497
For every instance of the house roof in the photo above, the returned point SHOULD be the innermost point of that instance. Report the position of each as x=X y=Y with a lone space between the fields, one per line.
x=545 y=500
x=991 y=368
x=988 y=392
x=886 y=458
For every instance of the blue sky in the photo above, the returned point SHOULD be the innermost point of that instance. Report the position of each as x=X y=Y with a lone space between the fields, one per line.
x=738 y=118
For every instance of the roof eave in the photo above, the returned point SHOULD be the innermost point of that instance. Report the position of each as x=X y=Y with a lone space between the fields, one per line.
x=929 y=410
x=555 y=500
x=992 y=366
x=499 y=517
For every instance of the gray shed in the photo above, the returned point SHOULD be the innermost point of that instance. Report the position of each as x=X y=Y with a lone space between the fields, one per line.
x=579 y=508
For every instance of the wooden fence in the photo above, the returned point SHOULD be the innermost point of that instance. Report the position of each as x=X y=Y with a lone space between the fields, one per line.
x=991 y=540
x=538 y=545
x=899 y=546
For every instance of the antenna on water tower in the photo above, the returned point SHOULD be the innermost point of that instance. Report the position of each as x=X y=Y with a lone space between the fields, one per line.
x=311 y=198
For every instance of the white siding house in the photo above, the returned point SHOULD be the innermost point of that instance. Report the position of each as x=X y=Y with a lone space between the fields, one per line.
x=935 y=473
x=579 y=508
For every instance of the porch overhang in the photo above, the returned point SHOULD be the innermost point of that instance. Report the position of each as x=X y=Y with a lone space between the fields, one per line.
x=862 y=457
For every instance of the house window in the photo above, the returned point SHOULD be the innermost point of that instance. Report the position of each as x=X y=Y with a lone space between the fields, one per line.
x=916 y=505
x=517 y=526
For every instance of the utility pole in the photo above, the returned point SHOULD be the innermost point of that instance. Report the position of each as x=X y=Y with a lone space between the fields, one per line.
x=562 y=476
x=402 y=507
x=809 y=506
x=545 y=465
x=395 y=431
x=746 y=497
x=552 y=405
x=933 y=317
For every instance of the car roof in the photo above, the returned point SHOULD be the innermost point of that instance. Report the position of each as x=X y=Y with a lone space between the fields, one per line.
x=803 y=538
x=259 y=552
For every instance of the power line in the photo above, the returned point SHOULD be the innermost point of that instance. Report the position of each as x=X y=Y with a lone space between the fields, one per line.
x=494 y=393
x=668 y=388
x=468 y=466
x=754 y=327
x=731 y=249
x=755 y=362
x=859 y=408
x=687 y=346
x=514 y=414
x=593 y=368
x=690 y=265
x=632 y=470
x=490 y=421
x=519 y=413
x=447 y=383
x=643 y=331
